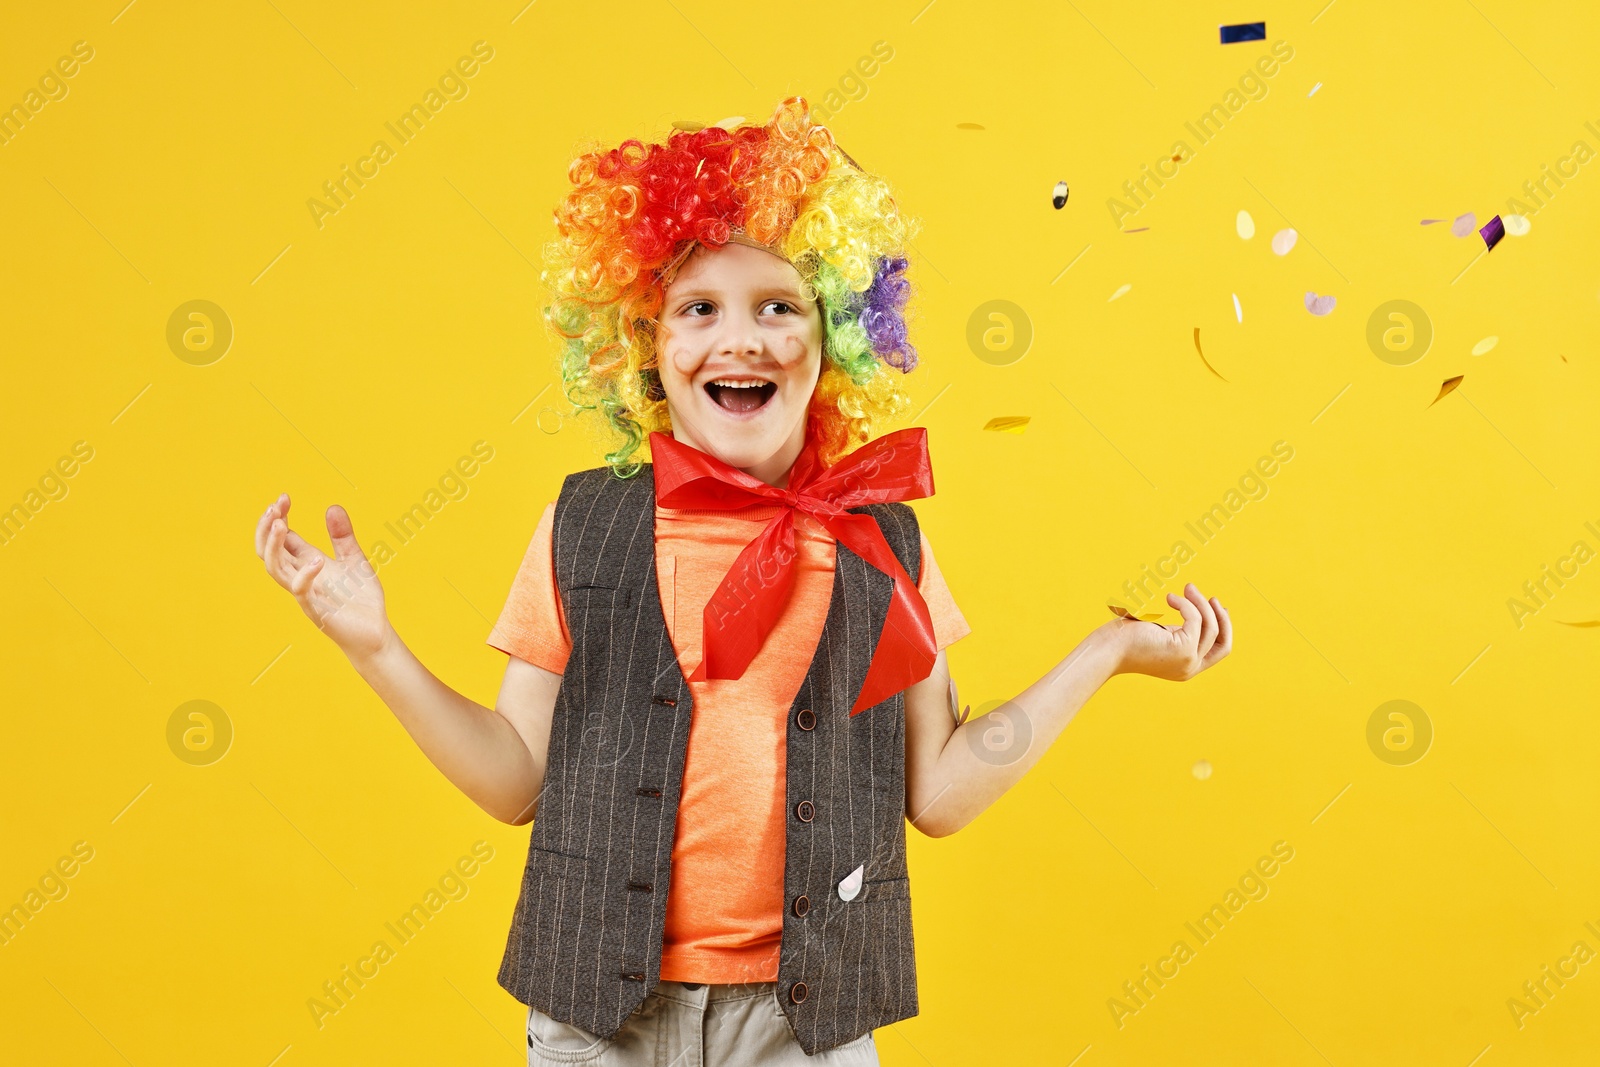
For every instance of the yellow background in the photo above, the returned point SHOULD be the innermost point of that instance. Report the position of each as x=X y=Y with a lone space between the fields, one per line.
x=372 y=352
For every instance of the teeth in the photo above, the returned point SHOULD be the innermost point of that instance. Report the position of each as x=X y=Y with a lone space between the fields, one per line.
x=732 y=384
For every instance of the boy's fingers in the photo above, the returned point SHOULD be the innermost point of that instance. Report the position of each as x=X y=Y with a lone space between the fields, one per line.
x=277 y=562
x=1224 y=643
x=1190 y=613
x=302 y=580
x=343 y=535
x=1208 y=618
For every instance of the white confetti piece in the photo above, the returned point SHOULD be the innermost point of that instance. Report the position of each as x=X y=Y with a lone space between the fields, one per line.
x=1238 y=312
x=730 y=123
x=1517 y=225
x=1118 y=293
x=1283 y=241
x=1245 y=225
x=850 y=888
x=1465 y=225
x=1202 y=769
x=1319 y=305
x=1314 y=89
x=1485 y=345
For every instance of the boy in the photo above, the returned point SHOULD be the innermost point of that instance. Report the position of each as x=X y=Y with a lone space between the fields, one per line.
x=728 y=689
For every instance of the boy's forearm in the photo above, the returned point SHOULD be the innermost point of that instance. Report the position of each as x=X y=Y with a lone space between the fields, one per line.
x=989 y=754
x=476 y=747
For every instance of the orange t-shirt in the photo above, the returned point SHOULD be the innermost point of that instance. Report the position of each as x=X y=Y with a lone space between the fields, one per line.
x=725 y=906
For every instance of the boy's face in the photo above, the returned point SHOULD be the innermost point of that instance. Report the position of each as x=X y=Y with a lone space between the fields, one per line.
x=740 y=353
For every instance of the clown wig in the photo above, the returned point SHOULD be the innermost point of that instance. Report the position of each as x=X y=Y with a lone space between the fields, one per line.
x=635 y=207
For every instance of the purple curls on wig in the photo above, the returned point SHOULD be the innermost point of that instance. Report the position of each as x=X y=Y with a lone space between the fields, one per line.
x=883 y=317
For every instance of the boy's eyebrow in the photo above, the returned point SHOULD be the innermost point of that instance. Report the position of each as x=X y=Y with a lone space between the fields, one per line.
x=769 y=290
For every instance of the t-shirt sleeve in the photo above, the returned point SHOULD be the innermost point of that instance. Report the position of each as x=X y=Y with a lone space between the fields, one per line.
x=949 y=625
x=532 y=625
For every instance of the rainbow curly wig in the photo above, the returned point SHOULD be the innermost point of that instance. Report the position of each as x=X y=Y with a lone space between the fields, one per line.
x=634 y=207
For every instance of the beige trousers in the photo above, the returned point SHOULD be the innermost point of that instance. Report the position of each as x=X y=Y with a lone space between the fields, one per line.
x=690 y=1025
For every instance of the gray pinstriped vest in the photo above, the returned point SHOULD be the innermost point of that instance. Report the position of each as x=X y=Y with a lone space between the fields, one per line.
x=586 y=936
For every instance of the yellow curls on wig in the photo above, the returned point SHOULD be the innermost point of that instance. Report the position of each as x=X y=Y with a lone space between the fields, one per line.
x=634 y=207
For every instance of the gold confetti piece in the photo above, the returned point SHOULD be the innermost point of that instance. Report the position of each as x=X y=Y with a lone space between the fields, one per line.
x=1203 y=359
x=1118 y=293
x=1586 y=623
x=1283 y=241
x=1245 y=225
x=1314 y=89
x=1008 y=423
x=1485 y=345
x=1564 y=359
x=1177 y=157
x=1447 y=387
x=1201 y=769
x=1517 y=225
x=1141 y=229
x=968 y=126
x=688 y=125
x=1123 y=613
x=730 y=123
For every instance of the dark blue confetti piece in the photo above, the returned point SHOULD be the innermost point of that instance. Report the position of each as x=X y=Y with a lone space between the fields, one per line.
x=1244 y=31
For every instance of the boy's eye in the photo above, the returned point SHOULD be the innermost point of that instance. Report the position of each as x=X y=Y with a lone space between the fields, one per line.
x=784 y=307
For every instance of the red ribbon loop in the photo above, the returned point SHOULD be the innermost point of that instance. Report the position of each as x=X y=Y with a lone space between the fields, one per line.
x=746 y=606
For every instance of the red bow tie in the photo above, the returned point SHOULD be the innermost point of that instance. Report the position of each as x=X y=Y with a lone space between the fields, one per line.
x=746 y=606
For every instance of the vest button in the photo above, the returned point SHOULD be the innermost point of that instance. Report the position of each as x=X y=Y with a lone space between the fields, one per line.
x=802 y=904
x=806 y=719
x=804 y=811
x=797 y=992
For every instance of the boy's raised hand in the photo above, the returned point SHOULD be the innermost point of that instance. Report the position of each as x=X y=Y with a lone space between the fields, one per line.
x=1176 y=653
x=340 y=593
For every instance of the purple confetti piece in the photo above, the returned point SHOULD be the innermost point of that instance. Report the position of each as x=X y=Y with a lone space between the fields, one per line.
x=1492 y=231
x=1464 y=224
x=1319 y=305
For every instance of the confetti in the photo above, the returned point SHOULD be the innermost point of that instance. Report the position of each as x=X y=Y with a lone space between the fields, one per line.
x=1464 y=224
x=1008 y=423
x=968 y=126
x=1447 y=387
x=1492 y=232
x=1319 y=305
x=1517 y=225
x=1203 y=359
x=1430 y=222
x=1283 y=241
x=1243 y=31
x=1245 y=225
x=1485 y=345
x=730 y=123
x=1141 y=229
x=1201 y=769
x=1118 y=293
x=850 y=888
x=1314 y=89
x=1123 y=613
x=688 y=125
x=1238 y=312
x=1059 y=196
x=1177 y=157
x=1586 y=623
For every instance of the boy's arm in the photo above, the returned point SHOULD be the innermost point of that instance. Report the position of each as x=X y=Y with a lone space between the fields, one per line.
x=496 y=757
x=955 y=770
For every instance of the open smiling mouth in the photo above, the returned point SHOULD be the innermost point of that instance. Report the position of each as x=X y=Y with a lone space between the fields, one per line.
x=743 y=398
